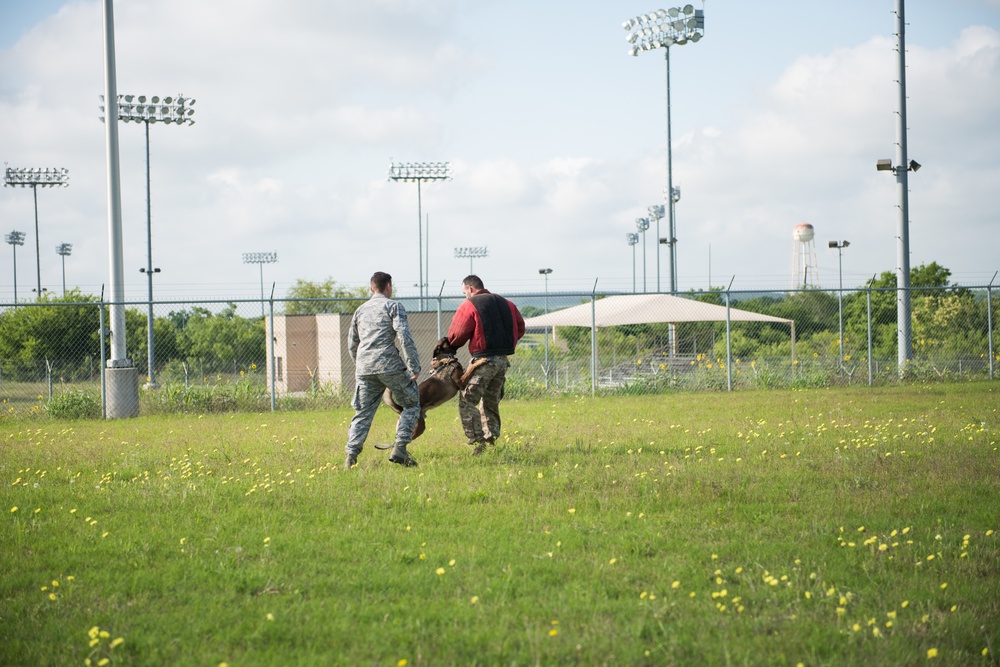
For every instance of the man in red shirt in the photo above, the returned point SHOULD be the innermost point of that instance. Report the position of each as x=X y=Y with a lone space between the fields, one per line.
x=491 y=325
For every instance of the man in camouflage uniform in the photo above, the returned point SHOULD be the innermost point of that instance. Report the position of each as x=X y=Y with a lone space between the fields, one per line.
x=491 y=325
x=376 y=328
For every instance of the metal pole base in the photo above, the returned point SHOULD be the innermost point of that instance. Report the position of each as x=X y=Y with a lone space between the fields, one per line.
x=123 y=392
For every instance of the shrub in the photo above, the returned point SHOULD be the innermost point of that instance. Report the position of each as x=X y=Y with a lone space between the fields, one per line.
x=76 y=404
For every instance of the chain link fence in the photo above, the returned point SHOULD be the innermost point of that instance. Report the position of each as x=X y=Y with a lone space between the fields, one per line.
x=252 y=355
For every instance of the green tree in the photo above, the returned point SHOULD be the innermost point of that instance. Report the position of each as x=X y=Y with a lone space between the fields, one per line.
x=61 y=330
x=309 y=298
x=883 y=306
x=222 y=342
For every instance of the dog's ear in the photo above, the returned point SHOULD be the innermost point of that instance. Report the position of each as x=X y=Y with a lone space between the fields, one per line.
x=442 y=346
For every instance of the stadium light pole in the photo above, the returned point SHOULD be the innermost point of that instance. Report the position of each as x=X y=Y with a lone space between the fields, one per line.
x=472 y=253
x=633 y=240
x=15 y=238
x=261 y=258
x=840 y=245
x=657 y=212
x=664 y=28
x=419 y=173
x=904 y=323
x=36 y=178
x=642 y=224
x=64 y=250
x=169 y=110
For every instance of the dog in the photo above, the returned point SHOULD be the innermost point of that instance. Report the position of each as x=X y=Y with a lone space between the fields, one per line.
x=447 y=378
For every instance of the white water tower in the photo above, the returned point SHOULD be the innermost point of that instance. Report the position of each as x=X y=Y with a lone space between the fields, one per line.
x=805 y=270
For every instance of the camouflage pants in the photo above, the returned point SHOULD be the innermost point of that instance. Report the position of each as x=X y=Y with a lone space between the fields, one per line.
x=479 y=402
x=367 y=396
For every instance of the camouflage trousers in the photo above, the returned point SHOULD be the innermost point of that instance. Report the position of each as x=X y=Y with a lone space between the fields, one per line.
x=479 y=402
x=367 y=396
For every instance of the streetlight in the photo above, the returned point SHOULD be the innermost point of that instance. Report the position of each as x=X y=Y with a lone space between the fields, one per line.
x=642 y=224
x=657 y=212
x=633 y=240
x=169 y=110
x=840 y=245
x=36 y=178
x=471 y=253
x=15 y=239
x=64 y=250
x=261 y=258
x=420 y=172
x=546 y=272
x=664 y=28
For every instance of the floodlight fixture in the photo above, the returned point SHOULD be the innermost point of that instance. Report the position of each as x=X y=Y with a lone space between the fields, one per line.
x=664 y=28
x=138 y=109
x=34 y=178
x=658 y=29
x=472 y=252
x=64 y=250
x=261 y=258
x=169 y=110
x=419 y=173
x=884 y=165
x=14 y=238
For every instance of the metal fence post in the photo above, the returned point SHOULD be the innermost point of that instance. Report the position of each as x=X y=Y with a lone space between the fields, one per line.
x=593 y=345
x=104 y=386
x=48 y=377
x=868 y=319
x=439 y=306
x=729 y=344
x=270 y=344
x=989 y=320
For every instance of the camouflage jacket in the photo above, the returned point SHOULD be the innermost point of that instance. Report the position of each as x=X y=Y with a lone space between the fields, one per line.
x=380 y=341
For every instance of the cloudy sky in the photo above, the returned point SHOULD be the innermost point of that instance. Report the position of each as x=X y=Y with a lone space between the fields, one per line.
x=555 y=134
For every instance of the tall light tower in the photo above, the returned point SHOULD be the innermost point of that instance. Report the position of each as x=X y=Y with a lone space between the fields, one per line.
x=664 y=28
x=633 y=240
x=64 y=250
x=904 y=322
x=656 y=213
x=419 y=172
x=261 y=258
x=169 y=110
x=472 y=253
x=15 y=239
x=642 y=225
x=34 y=179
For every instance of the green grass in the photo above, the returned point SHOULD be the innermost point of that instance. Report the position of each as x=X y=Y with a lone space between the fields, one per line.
x=822 y=527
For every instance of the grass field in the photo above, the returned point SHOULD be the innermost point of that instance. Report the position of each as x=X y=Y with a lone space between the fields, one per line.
x=819 y=527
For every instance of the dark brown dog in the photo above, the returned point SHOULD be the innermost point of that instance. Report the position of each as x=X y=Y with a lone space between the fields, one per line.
x=447 y=378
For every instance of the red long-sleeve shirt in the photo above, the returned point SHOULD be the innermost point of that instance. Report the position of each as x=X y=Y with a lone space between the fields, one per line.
x=490 y=324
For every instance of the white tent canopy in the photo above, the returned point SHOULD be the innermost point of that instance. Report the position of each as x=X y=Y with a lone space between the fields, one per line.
x=624 y=309
x=645 y=309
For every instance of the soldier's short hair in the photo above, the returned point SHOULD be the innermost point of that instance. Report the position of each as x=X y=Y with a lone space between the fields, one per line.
x=380 y=281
